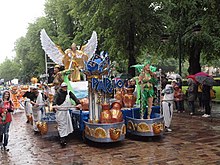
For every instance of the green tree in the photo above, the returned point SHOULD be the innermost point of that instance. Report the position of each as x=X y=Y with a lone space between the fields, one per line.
x=29 y=53
x=9 y=70
x=180 y=18
x=124 y=27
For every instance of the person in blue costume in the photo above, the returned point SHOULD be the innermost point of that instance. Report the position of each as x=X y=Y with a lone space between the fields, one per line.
x=147 y=80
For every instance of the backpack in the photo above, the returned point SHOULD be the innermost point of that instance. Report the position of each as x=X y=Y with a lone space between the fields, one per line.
x=212 y=93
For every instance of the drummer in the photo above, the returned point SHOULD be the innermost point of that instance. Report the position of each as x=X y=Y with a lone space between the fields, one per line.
x=62 y=99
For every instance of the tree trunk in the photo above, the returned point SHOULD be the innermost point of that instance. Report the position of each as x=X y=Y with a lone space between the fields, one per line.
x=194 y=59
x=131 y=49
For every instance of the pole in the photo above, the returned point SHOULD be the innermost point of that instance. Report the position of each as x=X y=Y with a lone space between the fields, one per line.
x=45 y=57
x=180 y=54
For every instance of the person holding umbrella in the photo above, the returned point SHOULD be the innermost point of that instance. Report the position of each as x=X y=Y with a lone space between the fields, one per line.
x=191 y=93
x=207 y=82
x=206 y=99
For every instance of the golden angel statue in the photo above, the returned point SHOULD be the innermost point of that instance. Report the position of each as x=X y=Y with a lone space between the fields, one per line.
x=71 y=58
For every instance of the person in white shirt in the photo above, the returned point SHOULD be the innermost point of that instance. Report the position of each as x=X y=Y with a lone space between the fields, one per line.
x=167 y=106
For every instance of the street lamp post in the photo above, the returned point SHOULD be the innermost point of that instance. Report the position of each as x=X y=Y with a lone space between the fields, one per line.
x=180 y=54
x=194 y=29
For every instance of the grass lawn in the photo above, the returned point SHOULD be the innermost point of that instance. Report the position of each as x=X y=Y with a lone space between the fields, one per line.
x=216 y=88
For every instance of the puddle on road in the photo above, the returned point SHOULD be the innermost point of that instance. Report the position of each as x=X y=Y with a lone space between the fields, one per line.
x=216 y=128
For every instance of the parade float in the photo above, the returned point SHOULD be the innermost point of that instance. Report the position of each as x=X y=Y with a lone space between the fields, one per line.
x=103 y=119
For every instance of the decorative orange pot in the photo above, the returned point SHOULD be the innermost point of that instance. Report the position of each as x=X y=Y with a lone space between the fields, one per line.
x=30 y=119
x=158 y=128
x=39 y=125
x=119 y=95
x=129 y=98
x=117 y=116
x=106 y=115
x=116 y=105
x=114 y=133
x=44 y=128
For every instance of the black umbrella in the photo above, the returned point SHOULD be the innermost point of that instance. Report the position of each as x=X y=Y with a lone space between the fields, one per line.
x=206 y=80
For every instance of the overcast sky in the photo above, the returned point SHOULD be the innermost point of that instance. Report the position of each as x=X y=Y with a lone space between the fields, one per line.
x=15 y=16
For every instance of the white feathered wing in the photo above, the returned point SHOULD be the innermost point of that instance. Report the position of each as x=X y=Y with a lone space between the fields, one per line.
x=50 y=48
x=91 y=46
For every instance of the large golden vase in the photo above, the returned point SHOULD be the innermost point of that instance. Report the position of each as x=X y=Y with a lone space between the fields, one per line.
x=106 y=115
x=117 y=115
x=129 y=98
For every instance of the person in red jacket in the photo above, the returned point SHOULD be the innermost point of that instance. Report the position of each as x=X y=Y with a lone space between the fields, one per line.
x=6 y=107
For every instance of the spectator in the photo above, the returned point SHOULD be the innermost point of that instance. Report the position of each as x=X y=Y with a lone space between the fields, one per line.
x=174 y=83
x=178 y=97
x=191 y=95
x=5 y=119
x=206 y=99
x=199 y=95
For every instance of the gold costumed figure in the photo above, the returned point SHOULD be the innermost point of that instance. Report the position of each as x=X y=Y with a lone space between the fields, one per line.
x=71 y=59
x=74 y=59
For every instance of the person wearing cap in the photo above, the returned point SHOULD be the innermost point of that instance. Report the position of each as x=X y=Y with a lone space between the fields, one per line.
x=62 y=100
x=29 y=96
x=37 y=104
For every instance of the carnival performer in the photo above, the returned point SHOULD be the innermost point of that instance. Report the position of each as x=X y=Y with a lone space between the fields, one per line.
x=167 y=105
x=57 y=77
x=5 y=119
x=62 y=99
x=147 y=79
x=37 y=105
x=29 y=96
x=74 y=59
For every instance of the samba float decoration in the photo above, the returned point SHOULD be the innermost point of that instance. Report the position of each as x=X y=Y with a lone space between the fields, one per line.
x=105 y=124
x=15 y=96
x=72 y=59
x=146 y=123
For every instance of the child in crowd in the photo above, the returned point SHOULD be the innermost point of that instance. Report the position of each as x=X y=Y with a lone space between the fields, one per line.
x=178 y=97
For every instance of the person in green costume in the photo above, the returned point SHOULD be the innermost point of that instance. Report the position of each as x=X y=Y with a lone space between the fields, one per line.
x=147 y=79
